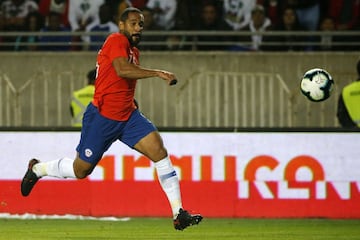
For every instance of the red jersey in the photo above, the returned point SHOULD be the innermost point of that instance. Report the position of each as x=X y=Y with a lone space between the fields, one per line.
x=114 y=96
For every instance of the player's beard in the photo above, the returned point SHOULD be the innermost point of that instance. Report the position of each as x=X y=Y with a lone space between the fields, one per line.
x=134 y=39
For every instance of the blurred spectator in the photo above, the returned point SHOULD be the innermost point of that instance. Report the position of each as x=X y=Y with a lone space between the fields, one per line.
x=164 y=12
x=308 y=12
x=54 y=42
x=258 y=23
x=289 y=42
x=34 y=23
x=81 y=14
x=188 y=12
x=81 y=98
x=106 y=25
x=184 y=18
x=117 y=7
x=273 y=10
x=326 y=41
x=211 y=21
x=346 y=13
x=15 y=12
x=333 y=42
x=237 y=13
x=140 y=4
x=59 y=6
x=176 y=43
x=150 y=25
x=348 y=109
x=3 y=40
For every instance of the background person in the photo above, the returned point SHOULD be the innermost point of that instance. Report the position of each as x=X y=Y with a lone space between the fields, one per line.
x=164 y=12
x=81 y=14
x=81 y=98
x=348 y=111
x=211 y=20
x=258 y=24
x=53 y=42
x=34 y=23
x=59 y=6
x=15 y=12
x=106 y=25
x=151 y=25
x=237 y=13
x=289 y=42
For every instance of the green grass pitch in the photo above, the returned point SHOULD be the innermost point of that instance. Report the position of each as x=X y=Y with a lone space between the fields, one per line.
x=161 y=228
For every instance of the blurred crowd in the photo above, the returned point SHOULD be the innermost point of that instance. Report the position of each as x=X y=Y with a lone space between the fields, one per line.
x=252 y=16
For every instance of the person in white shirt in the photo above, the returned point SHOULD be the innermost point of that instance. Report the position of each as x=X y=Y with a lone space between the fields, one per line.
x=83 y=13
x=237 y=13
x=106 y=25
x=258 y=23
x=165 y=11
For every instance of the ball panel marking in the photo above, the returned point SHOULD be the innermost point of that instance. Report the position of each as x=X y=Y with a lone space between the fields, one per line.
x=317 y=84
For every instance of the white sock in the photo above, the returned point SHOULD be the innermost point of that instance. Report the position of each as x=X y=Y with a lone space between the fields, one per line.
x=169 y=183
x=61 y=168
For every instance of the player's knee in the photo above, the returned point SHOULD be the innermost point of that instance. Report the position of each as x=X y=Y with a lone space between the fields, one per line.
x=163 y=153
x=159 y=154
x=81 y=173
x=82 y=169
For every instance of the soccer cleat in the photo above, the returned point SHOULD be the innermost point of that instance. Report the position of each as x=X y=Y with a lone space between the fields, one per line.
x=30 y=178
x=184 y=220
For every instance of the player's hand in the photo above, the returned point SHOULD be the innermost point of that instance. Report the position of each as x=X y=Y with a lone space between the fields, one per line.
x=168 y=76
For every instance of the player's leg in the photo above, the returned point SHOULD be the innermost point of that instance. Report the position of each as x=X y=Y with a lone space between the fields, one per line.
x=64 y=168
x=152 y=146
x=90 y=150
x=60 y=168
x=145 y=138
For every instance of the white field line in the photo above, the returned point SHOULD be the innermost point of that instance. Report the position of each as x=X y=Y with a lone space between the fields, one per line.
x=28 y=216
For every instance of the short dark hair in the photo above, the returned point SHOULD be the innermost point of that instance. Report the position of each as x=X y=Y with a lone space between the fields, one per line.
x=91 y=76
x=125 y=14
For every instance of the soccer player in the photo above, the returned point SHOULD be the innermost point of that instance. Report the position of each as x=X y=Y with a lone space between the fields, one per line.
x=113 y=115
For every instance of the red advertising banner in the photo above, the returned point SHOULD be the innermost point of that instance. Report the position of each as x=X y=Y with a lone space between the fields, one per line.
x=277 y=175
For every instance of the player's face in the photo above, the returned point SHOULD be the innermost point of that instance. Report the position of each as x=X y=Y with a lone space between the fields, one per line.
x=133 y=27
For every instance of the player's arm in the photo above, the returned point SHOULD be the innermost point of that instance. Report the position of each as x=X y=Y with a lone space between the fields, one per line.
x=343 y=114
x=128 y=70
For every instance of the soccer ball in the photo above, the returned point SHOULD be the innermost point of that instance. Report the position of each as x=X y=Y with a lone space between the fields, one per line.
x=317 y=84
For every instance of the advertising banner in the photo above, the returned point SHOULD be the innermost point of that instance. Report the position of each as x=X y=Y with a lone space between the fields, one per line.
x=250 y=174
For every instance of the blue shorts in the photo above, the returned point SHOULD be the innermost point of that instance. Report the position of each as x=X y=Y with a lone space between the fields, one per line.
x=99 y=132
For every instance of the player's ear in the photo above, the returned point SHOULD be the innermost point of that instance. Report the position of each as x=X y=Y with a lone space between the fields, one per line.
x=121 y=25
